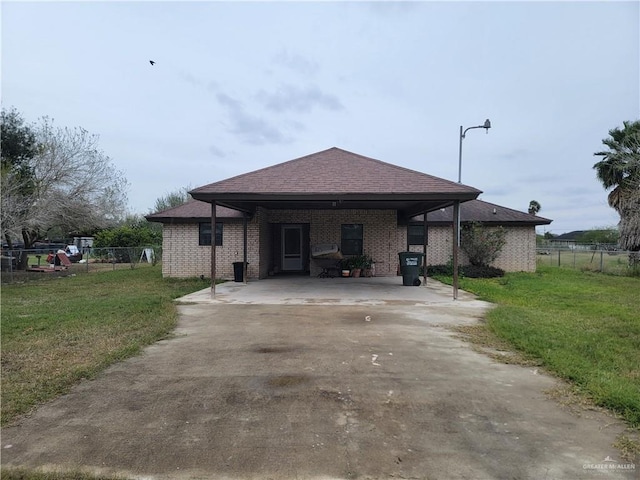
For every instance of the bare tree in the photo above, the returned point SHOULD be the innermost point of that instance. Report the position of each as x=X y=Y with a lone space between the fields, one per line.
x=14 y=206
x=73 y=186
x=18 y=146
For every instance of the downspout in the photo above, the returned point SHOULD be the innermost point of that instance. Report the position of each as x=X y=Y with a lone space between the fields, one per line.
x=213 y=249
x=456 y=246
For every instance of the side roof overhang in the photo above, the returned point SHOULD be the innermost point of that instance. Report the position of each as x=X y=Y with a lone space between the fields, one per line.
x=336 y=179
x=192 y=211
x=484 y=212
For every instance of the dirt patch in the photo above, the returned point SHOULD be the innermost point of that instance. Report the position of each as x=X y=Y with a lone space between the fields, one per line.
x=276 y=349
x=485 y=341
x=629 y=445
x=335 y=396
x=287 y=380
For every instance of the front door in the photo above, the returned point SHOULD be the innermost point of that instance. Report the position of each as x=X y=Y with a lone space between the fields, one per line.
x=291 y=247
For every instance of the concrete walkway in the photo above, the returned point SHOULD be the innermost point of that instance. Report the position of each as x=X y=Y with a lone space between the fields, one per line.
x=299 y=378
x=304 y=290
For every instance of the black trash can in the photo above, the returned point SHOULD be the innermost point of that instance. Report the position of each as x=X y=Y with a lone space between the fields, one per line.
x=238 y=271
x=410 y=263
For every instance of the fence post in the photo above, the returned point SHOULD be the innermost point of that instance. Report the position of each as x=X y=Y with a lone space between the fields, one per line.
x=558 y=257
x=574 y=259
x=601 y=261
x=11 y=265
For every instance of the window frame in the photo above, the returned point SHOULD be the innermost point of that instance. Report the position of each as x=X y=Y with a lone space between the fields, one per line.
x=424 y=235
x=359 y=242
x=204 y=234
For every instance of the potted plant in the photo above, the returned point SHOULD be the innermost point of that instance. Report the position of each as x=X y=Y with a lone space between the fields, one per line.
x=368 y=266
x=358 y=263
x=347 y=267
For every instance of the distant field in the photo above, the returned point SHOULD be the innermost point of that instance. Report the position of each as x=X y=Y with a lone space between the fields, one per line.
x=616 y=263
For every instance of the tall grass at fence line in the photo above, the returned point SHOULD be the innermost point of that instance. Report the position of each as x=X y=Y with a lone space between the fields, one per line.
x=604 y=261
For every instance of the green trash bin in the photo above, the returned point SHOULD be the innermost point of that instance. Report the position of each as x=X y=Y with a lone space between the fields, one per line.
x=410 y=263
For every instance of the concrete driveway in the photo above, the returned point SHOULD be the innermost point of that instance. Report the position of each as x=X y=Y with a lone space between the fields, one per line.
x=300 y=378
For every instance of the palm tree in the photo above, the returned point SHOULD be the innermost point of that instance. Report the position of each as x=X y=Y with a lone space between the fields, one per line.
x=619 y=170
x=534 y=207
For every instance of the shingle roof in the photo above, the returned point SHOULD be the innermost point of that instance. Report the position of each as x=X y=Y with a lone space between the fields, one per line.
x=485 y=212
x=334 y=171
x=192 y=210
x=474 y=210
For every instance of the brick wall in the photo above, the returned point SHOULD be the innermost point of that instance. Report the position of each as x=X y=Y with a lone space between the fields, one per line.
x=183 y=257
x=379 y=230
x=517 y=255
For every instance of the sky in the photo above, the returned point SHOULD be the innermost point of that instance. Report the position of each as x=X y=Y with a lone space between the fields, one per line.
x=239 y=86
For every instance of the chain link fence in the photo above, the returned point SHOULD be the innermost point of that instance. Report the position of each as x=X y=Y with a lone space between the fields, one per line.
x=19 y=265
x=605 y=260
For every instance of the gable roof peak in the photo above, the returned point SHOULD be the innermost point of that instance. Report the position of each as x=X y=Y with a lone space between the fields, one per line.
x=334 y=171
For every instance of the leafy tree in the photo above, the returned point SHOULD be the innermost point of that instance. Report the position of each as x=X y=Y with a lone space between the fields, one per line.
x=153 y=230
x=125 y=236
x=619 y=170
x=482 y=244
x=534 y=207
x=126 y=239
x=172 y=199
x=66 y=182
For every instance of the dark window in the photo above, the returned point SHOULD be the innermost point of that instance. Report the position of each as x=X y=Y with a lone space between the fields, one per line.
x=415 y=234
x=205 y=234
x=351 y=239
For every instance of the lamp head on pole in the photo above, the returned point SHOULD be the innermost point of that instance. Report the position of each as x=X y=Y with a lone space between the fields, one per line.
x=487 y=125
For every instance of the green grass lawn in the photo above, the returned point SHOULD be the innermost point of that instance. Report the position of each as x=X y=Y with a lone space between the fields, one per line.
x=56 y=332
x=583 y=326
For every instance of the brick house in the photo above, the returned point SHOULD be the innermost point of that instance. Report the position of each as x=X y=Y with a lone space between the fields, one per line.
x=271 y=218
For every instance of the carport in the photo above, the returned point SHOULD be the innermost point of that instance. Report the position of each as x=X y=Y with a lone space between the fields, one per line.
x=327 y=183
x=367 y=292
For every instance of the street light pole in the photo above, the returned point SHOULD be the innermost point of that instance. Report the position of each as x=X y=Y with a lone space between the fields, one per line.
x=463 y=132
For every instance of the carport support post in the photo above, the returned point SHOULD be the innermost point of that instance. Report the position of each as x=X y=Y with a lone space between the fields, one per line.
x=424 y=249
x=456 y=246
x=213 y=248
x=244 y=239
